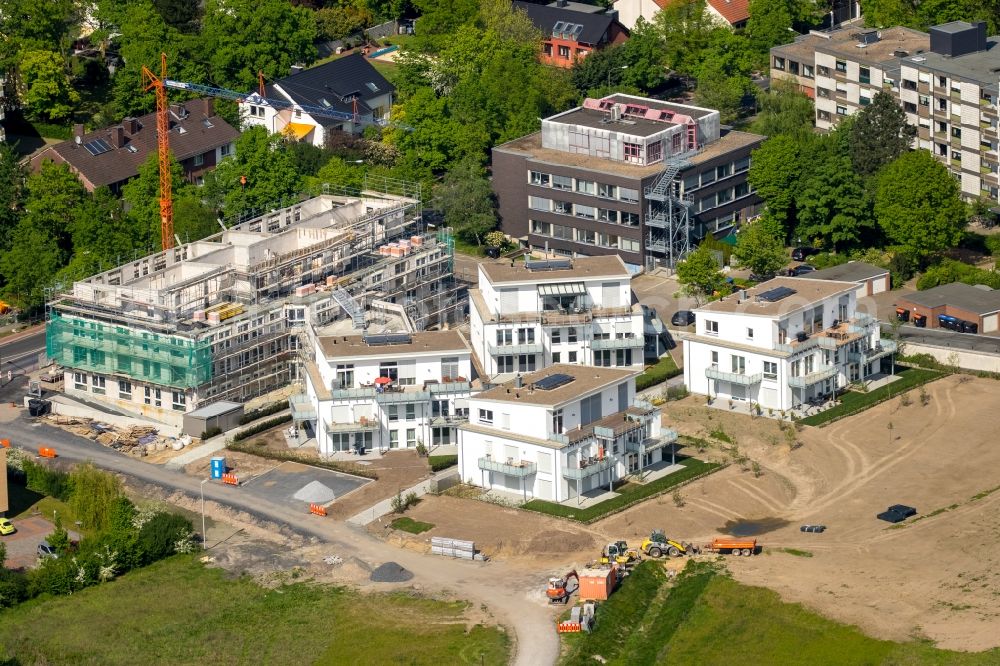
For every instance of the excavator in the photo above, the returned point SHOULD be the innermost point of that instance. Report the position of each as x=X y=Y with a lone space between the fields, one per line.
x=658 y=545
x=618 y=552
x=558 y=589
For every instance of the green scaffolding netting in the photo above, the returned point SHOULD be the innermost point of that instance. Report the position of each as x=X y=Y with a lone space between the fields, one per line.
x=93 y=346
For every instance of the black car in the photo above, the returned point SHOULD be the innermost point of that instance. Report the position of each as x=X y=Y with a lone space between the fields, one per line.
x=761 y=278
x=803 y=253
x=682 y=318
x=897 y=513
x=801 y=269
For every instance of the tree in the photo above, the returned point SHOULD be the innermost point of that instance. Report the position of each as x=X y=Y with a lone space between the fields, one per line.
x=699 y=274
x=36 y=24
x=94 y=495
x=685 y=27
x=30 y=265
x=833 y=211
x=182 y=15
x=719 y=88
x=784 y=110
x=142 y=195
x=508 y=22
x=54 y=194
x=917 y=204
x=466 y=201
x=12 y=192
x=101 y=236
x=880 y=134
x=341 y=22
x=46 y=91
x=439 y=19
x=769 y=24
x=263 y=159
x=775 y=170
x=760 y=246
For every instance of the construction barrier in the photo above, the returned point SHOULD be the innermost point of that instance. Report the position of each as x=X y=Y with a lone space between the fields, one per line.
x=46 y=452
x=231 y=479
x=569 y=627
x=317 y=510
x=5 y=443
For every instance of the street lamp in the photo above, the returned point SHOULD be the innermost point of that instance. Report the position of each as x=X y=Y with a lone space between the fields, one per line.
x=204 y=536
x=623 y=67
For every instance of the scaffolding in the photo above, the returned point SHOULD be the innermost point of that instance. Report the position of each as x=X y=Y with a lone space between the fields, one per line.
x=94 y=346
x=668 y=224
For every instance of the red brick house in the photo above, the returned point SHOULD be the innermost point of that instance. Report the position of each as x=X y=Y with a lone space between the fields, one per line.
x=571 y=30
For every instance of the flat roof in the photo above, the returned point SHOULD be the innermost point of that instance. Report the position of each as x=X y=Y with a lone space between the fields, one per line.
x=354 y=346
x=802 y=48
x=515 y=272
x=215 y=409
x=807 y=292
x=844 y=42
x=685 y=109
x=599 y=120
x=852 y=271
x=585 y=380
x=974 y=298
x=531 y=145
x=979 y=66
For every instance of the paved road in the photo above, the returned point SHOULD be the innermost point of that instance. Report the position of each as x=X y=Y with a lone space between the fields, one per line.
x=510 y=592
x=19 y=352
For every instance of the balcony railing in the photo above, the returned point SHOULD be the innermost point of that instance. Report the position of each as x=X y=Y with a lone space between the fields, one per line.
x=882 y=349
x=393 y=397
x=619 y=343
x=302 y=407
x=587 y=469
x=520 y=468
x=733 y=377
x=813 y=377
x=652 y=443
x=368 y=425
x=448 y=420
x=508 y=350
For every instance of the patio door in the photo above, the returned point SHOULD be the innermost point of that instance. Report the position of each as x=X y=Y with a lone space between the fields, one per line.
x=738 y=392
x=632 y=462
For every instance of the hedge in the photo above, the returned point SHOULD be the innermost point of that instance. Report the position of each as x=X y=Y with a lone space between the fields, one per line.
x=852 y=402
x=663 y=370
x=255 y=414
x=439 y=463
x=261 y=427
x=290 y=456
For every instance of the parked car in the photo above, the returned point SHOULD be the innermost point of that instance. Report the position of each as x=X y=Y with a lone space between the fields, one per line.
x=803 y=253
x=45 y=550
x=761 y=278
x=897 y=513
x=6 y=527
x=801 y=269
x=682 y=318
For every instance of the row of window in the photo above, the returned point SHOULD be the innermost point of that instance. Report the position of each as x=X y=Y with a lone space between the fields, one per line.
x=722 y=197
x=564 y=51
x=527 y=336
x=806 y=71
x=585 y=236
x=602 y=190
x=709 y=176
x=152 y=396
x=738 y=365
x=586 y=212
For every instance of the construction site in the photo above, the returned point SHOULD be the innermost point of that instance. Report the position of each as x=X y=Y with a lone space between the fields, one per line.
x=218 y=318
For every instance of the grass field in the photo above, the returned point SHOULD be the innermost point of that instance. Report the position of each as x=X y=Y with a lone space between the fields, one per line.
x=412 y=526
x=852 y=402
x=179 y=612
x=629 y=494
x=707 y=614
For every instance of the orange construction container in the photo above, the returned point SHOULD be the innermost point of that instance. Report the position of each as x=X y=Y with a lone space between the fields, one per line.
x=597 y=583
x=46 y=452
x=734 y=546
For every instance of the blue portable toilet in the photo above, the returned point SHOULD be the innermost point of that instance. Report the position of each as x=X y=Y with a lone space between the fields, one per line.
x=218 y=467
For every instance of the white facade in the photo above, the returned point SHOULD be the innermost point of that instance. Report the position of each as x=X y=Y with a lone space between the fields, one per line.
x=297 y=123
x=348 y=409
x=782 y=351
x=524 y=320
x=554 y=444
x=629 y=11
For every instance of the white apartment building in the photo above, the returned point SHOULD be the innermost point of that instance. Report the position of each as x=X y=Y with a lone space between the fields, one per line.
x=527 y=315
x=783 y=343
x=560 y=432
x=385 y=390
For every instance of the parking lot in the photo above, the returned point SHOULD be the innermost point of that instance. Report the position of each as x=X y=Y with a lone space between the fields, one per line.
x=23 y=544
x=280 y=484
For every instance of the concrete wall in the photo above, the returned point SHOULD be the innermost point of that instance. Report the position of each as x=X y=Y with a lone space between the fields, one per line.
x=967 y=359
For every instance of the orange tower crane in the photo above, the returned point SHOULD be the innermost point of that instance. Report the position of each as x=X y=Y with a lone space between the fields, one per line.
x=153 y=82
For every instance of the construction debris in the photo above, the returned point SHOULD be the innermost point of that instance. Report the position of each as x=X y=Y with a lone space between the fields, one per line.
x=137 y=440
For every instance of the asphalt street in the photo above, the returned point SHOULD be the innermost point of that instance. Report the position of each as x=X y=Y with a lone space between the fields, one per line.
x=19 y=352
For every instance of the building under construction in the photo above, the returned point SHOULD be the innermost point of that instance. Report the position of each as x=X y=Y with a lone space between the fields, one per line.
x=218 y=319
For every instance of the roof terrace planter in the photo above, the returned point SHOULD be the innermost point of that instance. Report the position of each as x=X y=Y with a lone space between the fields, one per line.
x=520 y=469
x=734 y=378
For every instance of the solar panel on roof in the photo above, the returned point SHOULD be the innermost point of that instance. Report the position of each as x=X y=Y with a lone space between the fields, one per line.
x=549 y=265
x=97 y=147
x=388 y=339
x=553 y=381
x=776 y=294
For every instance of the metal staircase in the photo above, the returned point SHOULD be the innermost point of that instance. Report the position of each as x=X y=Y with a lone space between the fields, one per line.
x=668 y=222
x=350 y=306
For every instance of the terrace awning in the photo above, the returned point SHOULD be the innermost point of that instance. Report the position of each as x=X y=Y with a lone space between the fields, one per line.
x=564 y=289
x=298 y=130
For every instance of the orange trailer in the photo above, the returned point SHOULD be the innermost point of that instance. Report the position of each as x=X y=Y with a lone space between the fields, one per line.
x=598 y=584
x=744 y=547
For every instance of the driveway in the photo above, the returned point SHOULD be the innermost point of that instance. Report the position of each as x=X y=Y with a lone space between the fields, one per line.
x=22 y=545
x=509 y=591
x=280 y=484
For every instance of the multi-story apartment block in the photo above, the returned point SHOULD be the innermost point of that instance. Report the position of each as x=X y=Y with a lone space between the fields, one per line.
x=783 y=343
x=945 y=81
x=219 y=319
x=528 y=315
x=560 y=432
x=384 y=390
x=625 y=175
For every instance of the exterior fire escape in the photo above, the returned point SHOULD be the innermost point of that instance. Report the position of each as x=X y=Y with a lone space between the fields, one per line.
x=668 y=222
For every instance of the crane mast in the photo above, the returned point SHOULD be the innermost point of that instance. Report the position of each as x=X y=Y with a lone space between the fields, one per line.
x=156 y=83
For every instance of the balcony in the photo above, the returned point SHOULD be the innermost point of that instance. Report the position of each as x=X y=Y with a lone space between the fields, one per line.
x=302 y=407
x=520 y=468
x=619 y=343
x=448 y=420
x=882 y=349
x=398 y=396
x=733 y=378
x=820 y=375
x=652 y=443
x=588 y=468
x=515 y=349
x=362 y=425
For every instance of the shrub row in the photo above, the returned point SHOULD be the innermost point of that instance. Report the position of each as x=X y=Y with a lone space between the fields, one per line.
x=439 y=463
x=255 y=414
x=852 y=402
x=260 y=451
x=261 y=427
x=663 y=370
x=931 y=363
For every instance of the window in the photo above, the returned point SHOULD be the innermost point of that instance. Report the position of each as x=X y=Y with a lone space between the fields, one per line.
x=725 y=196
x=571 y=357
x=630 y=219
x=124 y=390
x=345 y=375
x=179 y=402
x=505 y=364
x=654 y=152
x=588 y=212
x=707 y=177
x=571 y=334
x=411 y=437
x=715 y=359
x=392 y=413
x=556 y=336
x=823 y=92
x=675 y=143
x=539 y=178
x=606 y=215
x=749 y=334
x=823 y=71
x=199 y=160
x=909 y=107
x=691 y=182
x=411 y=412
x=585 y=236
x=739 y=364
x=924 y=100
x=841 y=110
x=562 y=207
x=841 y=66
x=153 y=397
x=393 y=439
x=605 y=191
x=486 y=416
x=586 y=186
x=226 y=150
x=562 y=183
x=539 y=203
x=99 y=384
x=793 y=67
x=865 y=100
x=526 y=362
x=956 y=132
x=564 y=52
x=505 y=336
x=633 y=152
x=562 y=232
x=770 y=370
x=626 y=194
x=388 y=369
x=449 y=368
x=779 y=63
x=807 y=71
x=541 y=228
x=525 y=336
x=547 y=49
x=79 y=381
x=724 y=171
x=711 y=327
x=628 y=245
x=557 y=421
x=865 y=75
x=741 y=190
x=556 y=357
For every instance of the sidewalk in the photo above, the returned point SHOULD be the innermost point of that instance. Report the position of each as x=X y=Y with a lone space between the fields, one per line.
x=384 y=507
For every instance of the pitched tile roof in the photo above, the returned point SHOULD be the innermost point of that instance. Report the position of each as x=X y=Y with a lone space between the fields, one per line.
x=334 y=85
x=734 y=11
x=192 y=132
x=593 y=27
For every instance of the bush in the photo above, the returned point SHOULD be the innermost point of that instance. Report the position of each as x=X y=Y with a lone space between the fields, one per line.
x=262 y=427
x=993 y=245
x=212 y=432
x=439 y=463
x=94 y=494
x=677 y=392
x=158 y=538
x=46 y=480
x=663 y=370
x=949 y=271
x=255 y=414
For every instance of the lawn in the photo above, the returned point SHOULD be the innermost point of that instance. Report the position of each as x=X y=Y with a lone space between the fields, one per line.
x=179 y=612
x=630 y=494
x=24 y=503
x=706 y=614
x=658 y=373
x=852 y=402
x=412 y=526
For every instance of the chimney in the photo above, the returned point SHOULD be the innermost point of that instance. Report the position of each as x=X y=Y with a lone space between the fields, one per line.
x=295 y=69
x=208 y=107
x=78 y=130
x=118 y=136
x=131 y=126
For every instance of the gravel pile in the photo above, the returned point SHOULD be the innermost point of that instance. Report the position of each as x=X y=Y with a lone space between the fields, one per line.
x=390 y=572
x=315 y=493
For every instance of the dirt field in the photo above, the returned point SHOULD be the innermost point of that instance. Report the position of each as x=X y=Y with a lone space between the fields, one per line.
x=397 y=470
x=935 y=578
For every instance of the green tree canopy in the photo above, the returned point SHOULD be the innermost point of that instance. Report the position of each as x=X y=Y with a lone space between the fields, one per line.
x=54 y=194
x=142 y=194
x=699 y=274
x=760 y=246
x=45 y=88
x=269 y=170
x=917 y=204
x=879 y=134
x=785 y=110
x=833 y=211
x=686 y=28
x=30 y=265
x=775 y=169
x=12 y=192
x=465 y=198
